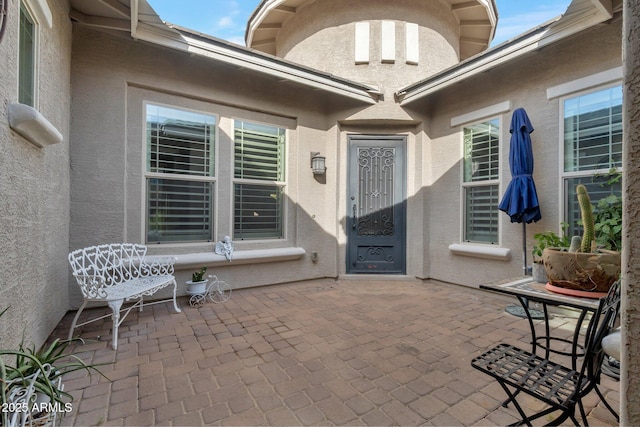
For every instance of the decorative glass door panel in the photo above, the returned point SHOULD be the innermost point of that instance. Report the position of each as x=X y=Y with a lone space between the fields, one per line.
x=376 y=224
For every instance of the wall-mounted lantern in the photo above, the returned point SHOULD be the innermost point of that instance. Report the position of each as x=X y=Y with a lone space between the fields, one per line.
x=318 y=166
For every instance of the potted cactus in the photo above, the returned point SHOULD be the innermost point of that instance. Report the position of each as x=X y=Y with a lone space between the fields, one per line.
x=198 y=284
x=584 y=267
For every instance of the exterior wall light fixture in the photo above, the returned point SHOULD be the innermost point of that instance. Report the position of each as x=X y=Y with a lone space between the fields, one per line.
x=318 y=166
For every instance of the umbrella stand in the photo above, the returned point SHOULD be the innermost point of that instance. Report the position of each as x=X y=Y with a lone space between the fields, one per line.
x=518 y=310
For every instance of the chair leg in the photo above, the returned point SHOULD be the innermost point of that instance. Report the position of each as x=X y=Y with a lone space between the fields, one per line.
x=75 y=319
x=115 y=315
x=175 y=290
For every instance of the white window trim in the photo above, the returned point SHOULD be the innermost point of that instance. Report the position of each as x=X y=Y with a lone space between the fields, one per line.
x=38 y=13
x=146 y=174
x=483 y=113
x=284 y=184
x=574 y=93
x=479 y=249
x=611 y=77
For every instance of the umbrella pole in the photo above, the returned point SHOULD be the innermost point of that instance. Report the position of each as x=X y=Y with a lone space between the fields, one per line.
x=525 y=269
x=519 y=310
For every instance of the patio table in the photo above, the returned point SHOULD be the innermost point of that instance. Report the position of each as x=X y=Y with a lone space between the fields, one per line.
x=526 y=289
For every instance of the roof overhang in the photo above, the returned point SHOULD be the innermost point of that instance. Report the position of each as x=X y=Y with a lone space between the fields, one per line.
x=580 y=14
x=139 y=19
x=477 y=20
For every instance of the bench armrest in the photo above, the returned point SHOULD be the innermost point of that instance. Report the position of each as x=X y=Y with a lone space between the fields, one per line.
x=92 y=286
x=157 y=265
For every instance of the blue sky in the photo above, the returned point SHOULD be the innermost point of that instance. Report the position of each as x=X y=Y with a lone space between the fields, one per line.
x=227 y=19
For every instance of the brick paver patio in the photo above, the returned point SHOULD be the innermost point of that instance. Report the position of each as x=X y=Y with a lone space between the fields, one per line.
x=322 y=352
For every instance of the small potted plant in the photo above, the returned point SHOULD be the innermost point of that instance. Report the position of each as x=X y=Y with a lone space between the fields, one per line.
x=584 y=268
x=547 y=239
x=198 y=284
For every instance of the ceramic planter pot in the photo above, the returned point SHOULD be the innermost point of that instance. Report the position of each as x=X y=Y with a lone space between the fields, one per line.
x=196 y=288
x=538 y=272
x=583 y=271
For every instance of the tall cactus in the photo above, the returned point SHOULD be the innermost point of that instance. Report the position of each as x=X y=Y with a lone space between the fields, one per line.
x=586 y=210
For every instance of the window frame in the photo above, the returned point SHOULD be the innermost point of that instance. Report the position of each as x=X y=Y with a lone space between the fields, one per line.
x=564 y=176
x=491 y=182
x=147 y=174
x=282 y=185
x=27 y=7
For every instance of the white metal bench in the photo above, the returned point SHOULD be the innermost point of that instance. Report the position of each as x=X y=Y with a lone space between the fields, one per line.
x=116 y=273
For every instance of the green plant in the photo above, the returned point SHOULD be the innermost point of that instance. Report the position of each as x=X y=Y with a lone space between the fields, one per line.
x=198 y=276
x=608 y=222
x=549 y=239
x=43 y=368
x=588 y=222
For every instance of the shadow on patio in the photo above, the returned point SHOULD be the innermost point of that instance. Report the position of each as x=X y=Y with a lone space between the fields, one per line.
x=319 y=352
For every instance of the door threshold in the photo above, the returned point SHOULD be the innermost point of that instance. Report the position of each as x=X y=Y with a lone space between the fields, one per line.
x=379 y=277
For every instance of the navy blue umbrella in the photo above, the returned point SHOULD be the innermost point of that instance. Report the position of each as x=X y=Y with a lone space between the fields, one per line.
x=520 y=200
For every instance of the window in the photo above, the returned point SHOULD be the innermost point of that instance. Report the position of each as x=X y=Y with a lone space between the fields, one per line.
x=180 y=175
x=27 y=57
x=258 y=181
x=592 y=147
x=481 y=182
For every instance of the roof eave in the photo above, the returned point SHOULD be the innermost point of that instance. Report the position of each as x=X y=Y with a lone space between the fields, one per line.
x=550 y=32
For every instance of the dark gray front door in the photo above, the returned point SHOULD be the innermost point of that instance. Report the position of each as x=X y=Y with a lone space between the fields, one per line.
x=376 y=205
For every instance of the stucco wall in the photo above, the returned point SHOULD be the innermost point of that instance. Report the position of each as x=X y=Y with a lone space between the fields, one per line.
x=630 y=366
x=322 y=35
x=34 y=190
x=113 y=76
x=523 y=85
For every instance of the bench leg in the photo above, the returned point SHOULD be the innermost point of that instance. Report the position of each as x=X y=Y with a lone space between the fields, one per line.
x=75 y=319
x=115 y=316
x=175 y=303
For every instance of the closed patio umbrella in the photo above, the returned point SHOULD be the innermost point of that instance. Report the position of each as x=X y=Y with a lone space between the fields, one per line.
x=520 y=200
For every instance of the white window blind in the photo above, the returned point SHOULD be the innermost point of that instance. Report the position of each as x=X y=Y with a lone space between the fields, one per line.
x=593 y=131
x=592 y=147
x=259 y=181
x=480 y=182
x=180 y=175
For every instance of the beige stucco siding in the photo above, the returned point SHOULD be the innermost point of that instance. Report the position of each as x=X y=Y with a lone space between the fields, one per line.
x=108 y=144
x=322 y=35
x=522 y=85
x=34 y=189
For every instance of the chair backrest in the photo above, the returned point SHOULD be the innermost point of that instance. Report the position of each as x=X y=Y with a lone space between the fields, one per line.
x=602 y=324
x=115 y=263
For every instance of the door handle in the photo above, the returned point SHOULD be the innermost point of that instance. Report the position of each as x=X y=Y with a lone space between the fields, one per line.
x=354 y=218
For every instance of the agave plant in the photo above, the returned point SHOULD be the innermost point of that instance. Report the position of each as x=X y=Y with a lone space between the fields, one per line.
x=41 y=369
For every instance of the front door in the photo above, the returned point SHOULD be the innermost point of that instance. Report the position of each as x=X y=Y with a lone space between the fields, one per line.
x=376 y=232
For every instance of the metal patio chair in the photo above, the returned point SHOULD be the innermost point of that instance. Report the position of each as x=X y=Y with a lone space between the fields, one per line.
x=560 y=387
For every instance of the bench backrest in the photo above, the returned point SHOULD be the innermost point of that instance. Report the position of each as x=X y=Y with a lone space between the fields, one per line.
x=114 y=263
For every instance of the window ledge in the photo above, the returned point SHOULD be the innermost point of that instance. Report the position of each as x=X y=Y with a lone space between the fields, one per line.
x=28 y=122
x=480 y=251
x=239 y=257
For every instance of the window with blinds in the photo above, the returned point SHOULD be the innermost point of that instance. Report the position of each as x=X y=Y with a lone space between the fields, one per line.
x=180 y=175
x=26 y=58
x=592 y=147
x=593 y=131
x=480 y=182
x=259 y=161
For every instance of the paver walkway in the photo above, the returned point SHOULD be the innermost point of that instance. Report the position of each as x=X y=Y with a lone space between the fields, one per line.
x=322 y=352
